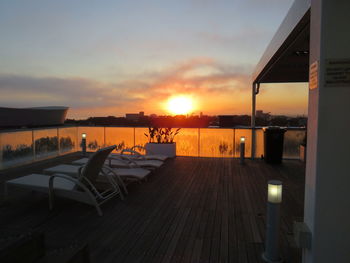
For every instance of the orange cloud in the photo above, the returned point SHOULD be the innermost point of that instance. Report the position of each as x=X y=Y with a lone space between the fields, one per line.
x=216 y=88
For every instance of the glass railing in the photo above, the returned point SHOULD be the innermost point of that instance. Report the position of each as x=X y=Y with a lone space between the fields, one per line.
x=26 y=146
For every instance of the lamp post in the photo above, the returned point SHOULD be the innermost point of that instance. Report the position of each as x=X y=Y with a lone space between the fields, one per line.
x=274 y=199
x=83 y=143
x=242 y=150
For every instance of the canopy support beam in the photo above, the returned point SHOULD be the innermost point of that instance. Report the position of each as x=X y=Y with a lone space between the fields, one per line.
x=255 y=91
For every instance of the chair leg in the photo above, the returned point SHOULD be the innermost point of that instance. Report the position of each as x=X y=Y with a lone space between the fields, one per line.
x=121 y=183
x=124 y=189
x=121 y=195
x=51 y=199
x=3 y=191
x=99 y=211
x=51 y=193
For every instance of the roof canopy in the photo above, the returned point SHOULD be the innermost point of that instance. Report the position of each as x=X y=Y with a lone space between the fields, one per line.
x=286 y=58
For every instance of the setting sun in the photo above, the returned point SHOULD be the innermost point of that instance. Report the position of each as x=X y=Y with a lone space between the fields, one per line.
x=180 y=105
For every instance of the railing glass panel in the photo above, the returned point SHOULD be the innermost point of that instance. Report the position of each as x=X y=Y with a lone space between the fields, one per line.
x=140 y=138
x=247 y=134
x=45 y=143
x=187 y=142
x=216 y=142
x=259 y=143
x=292 y=141
x=122 y=137
x=68 y=140
x=16 y=148
x=95 y=138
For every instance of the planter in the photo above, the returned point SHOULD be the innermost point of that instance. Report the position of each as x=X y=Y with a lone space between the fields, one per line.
x=302 y=153
x=168 y=149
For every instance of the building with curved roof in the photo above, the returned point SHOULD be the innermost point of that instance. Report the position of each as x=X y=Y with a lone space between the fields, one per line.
x=32 y=117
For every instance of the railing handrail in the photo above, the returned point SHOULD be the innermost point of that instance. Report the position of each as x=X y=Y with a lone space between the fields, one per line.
x=113 y=126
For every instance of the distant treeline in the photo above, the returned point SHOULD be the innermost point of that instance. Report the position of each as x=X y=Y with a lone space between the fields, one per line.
x=285 y=121
x=192 y=121
x=146 y=121
x=267 y=120
x=110 y=121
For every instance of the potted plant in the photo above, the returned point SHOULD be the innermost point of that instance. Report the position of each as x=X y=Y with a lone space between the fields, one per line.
x=161 y=141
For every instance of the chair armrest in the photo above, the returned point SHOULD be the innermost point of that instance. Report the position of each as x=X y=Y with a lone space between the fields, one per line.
x=78 y=182
x=140 y=147
x=131 y=152
x=80 y=171
x=66 y=177
x=137 y=147
x=129 y=161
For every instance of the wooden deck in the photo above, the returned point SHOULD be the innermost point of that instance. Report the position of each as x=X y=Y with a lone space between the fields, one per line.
x=191 y=210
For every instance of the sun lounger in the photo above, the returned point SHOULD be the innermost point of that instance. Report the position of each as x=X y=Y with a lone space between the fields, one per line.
x=122 y=175
x=132 y=153
x=83 y=188
x=125 y=162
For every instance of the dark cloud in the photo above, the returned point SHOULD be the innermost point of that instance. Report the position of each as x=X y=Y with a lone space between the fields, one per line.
x=71 y=91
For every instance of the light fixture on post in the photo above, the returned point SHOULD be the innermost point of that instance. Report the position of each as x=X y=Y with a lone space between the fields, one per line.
x=83 y=143
x=242 y=150
x=274 y=199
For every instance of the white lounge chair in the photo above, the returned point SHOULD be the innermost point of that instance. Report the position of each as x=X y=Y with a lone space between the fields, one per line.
x=119 y=161
x=83 y=189
x=121 y=175
x=132 y=153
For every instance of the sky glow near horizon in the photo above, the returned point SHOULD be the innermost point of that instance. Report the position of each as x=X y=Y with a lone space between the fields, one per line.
x=104 y=58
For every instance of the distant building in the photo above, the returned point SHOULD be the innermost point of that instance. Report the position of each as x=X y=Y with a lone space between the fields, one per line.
x=226 y=120
x=32 y=117
x=263 y=115
x=134 y=116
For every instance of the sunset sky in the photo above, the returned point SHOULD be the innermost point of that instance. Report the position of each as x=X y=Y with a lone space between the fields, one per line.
x=110 y=57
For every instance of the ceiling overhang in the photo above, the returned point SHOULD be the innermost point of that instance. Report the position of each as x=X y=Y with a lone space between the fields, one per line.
x=286 y=58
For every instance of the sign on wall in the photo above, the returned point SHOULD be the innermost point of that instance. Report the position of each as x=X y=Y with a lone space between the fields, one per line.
x=313 y=75
x=337 y=73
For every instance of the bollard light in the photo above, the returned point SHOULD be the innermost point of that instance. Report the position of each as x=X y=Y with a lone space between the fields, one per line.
x=242 y=150
x=274 y=199
x=274 y=191
x=83 y=143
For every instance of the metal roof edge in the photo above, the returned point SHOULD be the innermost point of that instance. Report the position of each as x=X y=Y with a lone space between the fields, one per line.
x=294 y=16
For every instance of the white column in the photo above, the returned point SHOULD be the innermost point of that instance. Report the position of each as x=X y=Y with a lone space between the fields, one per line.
x=327 y=187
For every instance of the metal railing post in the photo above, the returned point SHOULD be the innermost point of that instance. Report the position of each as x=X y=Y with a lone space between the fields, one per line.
x=234 y=143
x=77 y=146
x=58 y=142
x=104 y=136
x=33 y=143
x=199 y=142
x=134 y=136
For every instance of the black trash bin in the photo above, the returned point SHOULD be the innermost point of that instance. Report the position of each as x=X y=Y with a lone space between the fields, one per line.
x=273 y=139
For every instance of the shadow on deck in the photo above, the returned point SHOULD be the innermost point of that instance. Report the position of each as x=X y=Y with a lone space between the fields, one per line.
x=191 y=210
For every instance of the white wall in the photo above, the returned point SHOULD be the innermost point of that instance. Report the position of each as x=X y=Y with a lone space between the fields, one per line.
x=327 y=189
